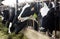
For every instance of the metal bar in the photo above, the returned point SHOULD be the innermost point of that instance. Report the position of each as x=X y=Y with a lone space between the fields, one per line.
x=55 y=18
x=49 y=3
x=55 y=3
x=16 y=7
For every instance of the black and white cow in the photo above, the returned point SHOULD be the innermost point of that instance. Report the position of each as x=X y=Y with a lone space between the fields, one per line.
x=44 y=10
x=5 y=15
x=25 y=14
x=8 y=16
x=51 y=20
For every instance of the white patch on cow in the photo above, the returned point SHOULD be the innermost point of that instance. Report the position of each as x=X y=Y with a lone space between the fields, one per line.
x=44 y=10
x=2 y=12
x=27 y=5
x=24 y=18
x=53 y=4
x=2 y=17
x=59 y=2
x=41 y=28
x=18 y=8
x=32 y=8
x=9 y=28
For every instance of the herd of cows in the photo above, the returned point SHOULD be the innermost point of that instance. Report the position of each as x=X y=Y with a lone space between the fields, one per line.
x=47 y=12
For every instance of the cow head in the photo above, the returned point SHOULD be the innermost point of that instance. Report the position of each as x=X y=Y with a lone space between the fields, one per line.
x=28 y=10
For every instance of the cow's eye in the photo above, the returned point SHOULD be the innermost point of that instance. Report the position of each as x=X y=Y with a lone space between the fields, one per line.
x=32 y=9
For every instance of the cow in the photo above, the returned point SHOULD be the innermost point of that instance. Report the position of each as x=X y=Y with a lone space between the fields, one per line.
x=27 y=11
x=5 y=16
x=51 y=20
x=44 y=10
x=8 y=16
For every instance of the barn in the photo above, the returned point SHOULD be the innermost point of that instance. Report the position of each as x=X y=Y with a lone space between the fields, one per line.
x=30 y=19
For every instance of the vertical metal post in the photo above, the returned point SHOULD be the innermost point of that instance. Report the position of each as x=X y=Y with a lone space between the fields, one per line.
x=55 y=3
x=49 y=3
x=59 y=17
x=55 y=18
x=16 y=7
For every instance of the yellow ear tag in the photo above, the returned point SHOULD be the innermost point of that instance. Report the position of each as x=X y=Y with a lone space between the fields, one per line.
x=35 y=15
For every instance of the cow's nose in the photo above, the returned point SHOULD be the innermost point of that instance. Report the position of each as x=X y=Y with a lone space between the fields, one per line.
x=18 y=18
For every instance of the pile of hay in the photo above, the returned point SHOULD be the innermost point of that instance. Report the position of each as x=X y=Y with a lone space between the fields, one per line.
x=31 y=34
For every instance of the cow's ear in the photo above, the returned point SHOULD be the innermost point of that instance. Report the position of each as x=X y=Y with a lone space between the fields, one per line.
x=32 y=9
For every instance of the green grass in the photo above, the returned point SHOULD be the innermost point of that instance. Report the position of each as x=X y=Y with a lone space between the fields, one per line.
x=5 y=35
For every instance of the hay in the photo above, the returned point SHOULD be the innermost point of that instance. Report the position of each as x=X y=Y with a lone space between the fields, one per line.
x=31 y=34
